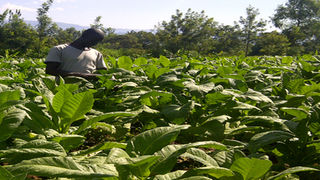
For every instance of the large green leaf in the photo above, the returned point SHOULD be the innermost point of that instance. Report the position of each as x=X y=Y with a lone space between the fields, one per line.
x=198 y=90
x=179 y=175
x=297 y=112
x=161 y=71
x=169 y=176
x=100 y=147
x=75 y=108
x=6 y=96
x=33 y=149
x=67 y=141
x=265 y=138
x=125 y=62
x=178 y=114
x=63 y=167
x=200 y=156
x=251 y=168
x=170 y=153
x=87 y=123
x=227 y=157
x=165 y=62
x=257 y=96
x=60 y=99
x=156 y=98
x=11 y=120
x=148 y=142
x=217 y=97
x=150 y=71
x=269 y=121
x=6 y=175
x=139 y=166
x=291 y=171
x=38 y=121
x=128 y=166
x=215 y=171
x=140 y=61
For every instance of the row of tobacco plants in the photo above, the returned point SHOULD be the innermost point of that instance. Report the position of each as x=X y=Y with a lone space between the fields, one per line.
x=163 y=119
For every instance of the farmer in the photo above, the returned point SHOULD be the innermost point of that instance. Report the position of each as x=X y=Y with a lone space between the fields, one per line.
x=77 y=58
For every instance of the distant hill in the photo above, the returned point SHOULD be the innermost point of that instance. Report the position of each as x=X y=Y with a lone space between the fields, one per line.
x=79 y=27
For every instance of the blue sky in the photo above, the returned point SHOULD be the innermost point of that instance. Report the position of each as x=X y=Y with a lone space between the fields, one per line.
x=139 y=14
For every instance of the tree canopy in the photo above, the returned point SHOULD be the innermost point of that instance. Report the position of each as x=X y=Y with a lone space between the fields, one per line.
x=295 y=31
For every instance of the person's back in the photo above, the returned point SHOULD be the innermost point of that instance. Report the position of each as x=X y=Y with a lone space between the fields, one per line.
x=77 y=58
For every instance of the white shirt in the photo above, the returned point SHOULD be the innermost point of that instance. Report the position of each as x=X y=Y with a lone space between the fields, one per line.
x=72 y=59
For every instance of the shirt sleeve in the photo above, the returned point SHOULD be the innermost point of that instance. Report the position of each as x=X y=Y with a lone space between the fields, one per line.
x=100 y=64
x=54 y=55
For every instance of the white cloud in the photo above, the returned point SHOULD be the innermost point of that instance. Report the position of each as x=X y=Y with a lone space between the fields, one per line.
x=14 y=7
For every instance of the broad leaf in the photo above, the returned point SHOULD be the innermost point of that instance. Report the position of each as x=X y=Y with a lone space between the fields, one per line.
x=269 y=121
x=178 y=175
x=148 y=142
x=87 y=123
x=100 y=147
x=178 y=114
x=128 y=166
x=291 y=171
x=140 y=61
x=165 y=62
x=67 y=141
x=170 y=153
x=216 y=172
x=60 y=99
x=139 y=167
x=297 y=112
x=63 y=167
x=257 y=96
x=6 y=96
x=125 y=62
x=6 y=175
x=251 y=168
x=75 y=108
x=11 y=120
x=38 y=121
x=200 y=156
x=265 y=138
x=33 y=149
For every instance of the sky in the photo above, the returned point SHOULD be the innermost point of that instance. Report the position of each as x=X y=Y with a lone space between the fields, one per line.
x=140 y=14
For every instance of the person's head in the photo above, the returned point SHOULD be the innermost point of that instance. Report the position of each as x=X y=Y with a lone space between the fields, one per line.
x=91 y=37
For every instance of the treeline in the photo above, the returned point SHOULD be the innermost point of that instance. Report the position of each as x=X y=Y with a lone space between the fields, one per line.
x=297 y=23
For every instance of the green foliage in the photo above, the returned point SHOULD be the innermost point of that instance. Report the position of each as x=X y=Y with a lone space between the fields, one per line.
x=250 y=28
x=251 y=168
x=186 y=31
x=157 y=118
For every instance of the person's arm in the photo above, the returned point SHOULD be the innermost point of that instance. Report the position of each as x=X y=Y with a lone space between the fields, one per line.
x=52 y=68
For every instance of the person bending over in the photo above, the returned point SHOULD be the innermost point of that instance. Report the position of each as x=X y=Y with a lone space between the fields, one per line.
x=77 y=58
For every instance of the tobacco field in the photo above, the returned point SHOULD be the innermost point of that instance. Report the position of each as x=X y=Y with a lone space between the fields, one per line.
x=229 y=118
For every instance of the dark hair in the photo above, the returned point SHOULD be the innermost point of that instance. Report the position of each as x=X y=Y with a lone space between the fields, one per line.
x=93 y=32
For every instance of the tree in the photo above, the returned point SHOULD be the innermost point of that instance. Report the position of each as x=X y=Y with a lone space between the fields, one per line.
x=299 y=20
x=186 y=32
x=67 y=36
x=228 y=40
x=45 y=26
x=98 y=25
x=299 y=13
x=16 y=36
x=271 y=43
x=251 y=27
